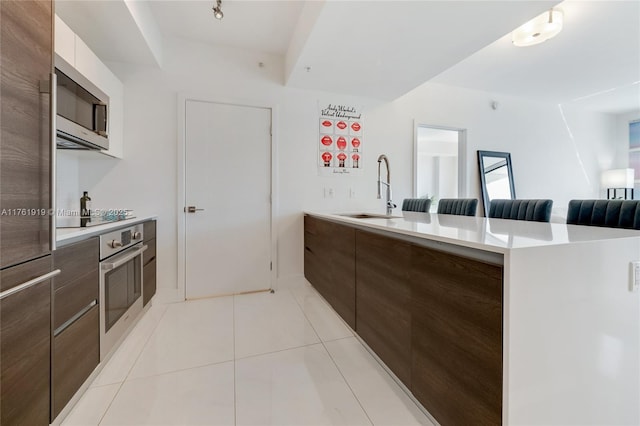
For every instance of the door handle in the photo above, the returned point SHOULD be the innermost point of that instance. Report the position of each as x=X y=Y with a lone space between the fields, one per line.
x=192 y=209
x=123 y=258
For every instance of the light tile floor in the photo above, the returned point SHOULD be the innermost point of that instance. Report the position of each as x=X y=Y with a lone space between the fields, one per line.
x=260 y=359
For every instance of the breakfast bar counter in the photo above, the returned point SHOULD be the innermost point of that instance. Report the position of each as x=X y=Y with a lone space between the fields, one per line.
x=555 y=307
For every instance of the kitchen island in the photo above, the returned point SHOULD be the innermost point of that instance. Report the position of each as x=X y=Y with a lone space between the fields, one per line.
x=490 y=321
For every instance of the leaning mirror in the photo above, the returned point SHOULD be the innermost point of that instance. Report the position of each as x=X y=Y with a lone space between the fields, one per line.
x=496 y=177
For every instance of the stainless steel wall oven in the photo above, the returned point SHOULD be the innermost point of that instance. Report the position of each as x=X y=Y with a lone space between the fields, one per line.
x=120 y=283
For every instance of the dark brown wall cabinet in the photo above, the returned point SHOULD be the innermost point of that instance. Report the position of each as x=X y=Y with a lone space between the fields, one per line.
x=76 y=320
x=149 y=262
x=329 y=264
x=25 y=341
x=26 y=48
x=383 y=285
x=456 y=310
x=433 y=317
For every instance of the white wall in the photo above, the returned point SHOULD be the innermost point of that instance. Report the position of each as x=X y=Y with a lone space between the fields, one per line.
x=68 y=191
x=622 y=141
x=548 y=162
x=556 y=152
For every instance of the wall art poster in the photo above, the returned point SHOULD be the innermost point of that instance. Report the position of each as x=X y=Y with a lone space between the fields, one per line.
x=340 y=139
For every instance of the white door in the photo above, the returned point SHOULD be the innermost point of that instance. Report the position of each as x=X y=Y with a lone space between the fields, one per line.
x=228 y=181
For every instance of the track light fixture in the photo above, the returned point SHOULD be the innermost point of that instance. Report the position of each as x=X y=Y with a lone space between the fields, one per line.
x=217 y=10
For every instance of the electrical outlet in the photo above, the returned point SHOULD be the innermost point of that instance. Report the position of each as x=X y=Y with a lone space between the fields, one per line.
x=331 y=193
x=352 y=193
x=635 y=276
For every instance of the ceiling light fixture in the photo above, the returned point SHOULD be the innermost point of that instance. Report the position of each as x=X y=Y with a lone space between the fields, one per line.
x=217 y=10
x=539 y=29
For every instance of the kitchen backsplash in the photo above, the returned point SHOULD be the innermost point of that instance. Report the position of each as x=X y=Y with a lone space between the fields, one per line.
x=68 y=191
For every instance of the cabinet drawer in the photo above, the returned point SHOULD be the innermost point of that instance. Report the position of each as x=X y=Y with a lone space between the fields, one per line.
x=149 y=281
x=25 y=330
x=73 y=297
x=19 y=274
x=76 y=353
x=149 y=229
x=150 y=253
x=75 y=260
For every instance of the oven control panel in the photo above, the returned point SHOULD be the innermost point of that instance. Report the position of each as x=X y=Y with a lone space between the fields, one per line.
x=121 y=239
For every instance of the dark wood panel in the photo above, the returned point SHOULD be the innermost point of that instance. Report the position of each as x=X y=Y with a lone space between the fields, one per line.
x=316 y=269
x=75 y=296
x=149 y=281
x=383 y=298
x=76 y=353
x=76 y=260
x=313 y=225
x=149 y=230
x=25 y=341
x=26 y=48
x=341 y=293
x=20 y=274
x=457 y=337
x=329 y=264
x=150 y=253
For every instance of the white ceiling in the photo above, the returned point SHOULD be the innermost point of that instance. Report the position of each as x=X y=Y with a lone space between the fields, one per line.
x=109 y=29
x=264 y=26
x=593 y=63
x=383 y=49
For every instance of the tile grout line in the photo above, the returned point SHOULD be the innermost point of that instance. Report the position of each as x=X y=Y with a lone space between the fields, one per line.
x=235 y=387
x=134 y=362
x=333 y=360
x=179 y=370
x=278 y=351
x=372 y=354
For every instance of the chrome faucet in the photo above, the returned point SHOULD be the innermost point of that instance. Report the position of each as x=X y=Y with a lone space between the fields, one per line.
x=390 y=205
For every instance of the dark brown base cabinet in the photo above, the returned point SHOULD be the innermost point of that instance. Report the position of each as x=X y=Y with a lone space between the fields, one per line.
x=25 y=342
x=75 y=352
x=149 y=262
x=456 y=311
x=383 y=285
x=433 y=317
x=330 y=264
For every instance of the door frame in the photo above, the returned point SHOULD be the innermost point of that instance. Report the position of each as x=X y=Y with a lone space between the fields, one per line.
x=181 y=190
x=462 y=157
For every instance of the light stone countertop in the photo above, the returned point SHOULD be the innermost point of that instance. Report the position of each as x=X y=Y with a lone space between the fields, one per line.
x=66 y=236
x=493 y=235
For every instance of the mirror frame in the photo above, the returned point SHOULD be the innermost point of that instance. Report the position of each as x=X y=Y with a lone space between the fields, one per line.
x=483 y=183
x=462 y=157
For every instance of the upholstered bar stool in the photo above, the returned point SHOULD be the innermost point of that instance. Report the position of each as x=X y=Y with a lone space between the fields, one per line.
x=459 y=206
x=416 y=205
x=607 y=213
x=532 y=210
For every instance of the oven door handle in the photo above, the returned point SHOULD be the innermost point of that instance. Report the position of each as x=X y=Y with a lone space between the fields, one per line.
x=107 y=266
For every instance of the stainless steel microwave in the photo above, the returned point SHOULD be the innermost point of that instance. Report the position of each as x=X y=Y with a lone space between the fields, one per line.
x=82 y=119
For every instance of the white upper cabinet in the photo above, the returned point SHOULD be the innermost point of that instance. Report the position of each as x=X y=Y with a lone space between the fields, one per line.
x=65 y=41
x=72 y=49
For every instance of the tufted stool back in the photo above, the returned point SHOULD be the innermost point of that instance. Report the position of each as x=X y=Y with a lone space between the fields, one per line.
x=459 y=206
x=532 y=210
x=607 y=213
x=416 y=205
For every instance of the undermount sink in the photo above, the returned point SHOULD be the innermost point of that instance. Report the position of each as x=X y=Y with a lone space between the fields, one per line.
x=368 y=216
